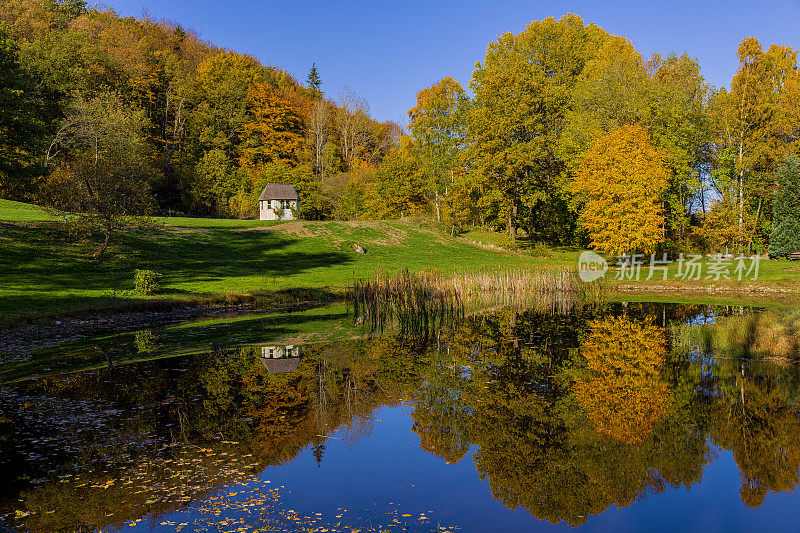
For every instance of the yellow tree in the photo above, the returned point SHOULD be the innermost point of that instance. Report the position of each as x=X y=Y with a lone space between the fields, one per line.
x=275 y=131
x=438 y=128
x=620 y=178
x=756 y=124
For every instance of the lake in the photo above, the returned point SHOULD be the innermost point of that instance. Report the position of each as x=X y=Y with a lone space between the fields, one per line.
x=616 y=417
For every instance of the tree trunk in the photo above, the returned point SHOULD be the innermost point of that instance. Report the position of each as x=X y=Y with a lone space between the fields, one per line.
x=531 y=227
x=512 y=227
x=512 y=217
x=436 y=200
x=755 y=224
x=103 y=248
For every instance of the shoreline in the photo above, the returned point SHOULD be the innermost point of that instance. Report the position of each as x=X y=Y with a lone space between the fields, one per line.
x=42 y=329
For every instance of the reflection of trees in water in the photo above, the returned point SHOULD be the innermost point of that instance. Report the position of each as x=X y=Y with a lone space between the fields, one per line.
x=623 y=393
x=163 y=408
x=756 y=415
x=440 y=413
x=568 y=414
x=504 y=383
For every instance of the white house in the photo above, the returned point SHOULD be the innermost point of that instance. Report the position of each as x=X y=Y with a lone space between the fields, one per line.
x=278 y=201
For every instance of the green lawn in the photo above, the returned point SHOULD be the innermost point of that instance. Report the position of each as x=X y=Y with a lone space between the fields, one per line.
x=46 y=273
x=19 y=212
x=775 y=275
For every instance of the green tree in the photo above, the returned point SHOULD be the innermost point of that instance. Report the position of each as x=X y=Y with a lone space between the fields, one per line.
x=785 y=236
x=400 y=187
x=315 y=82
x=101 y=166
x=24 y=110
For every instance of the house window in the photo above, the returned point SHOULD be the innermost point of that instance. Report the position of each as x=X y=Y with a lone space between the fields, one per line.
x=269 y=204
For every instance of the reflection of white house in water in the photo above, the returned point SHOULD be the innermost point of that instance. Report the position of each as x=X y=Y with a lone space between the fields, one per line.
x=281 y=359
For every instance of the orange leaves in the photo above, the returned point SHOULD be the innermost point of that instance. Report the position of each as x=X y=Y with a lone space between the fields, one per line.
x=621 y=177
x=275 y=131
x=625 y=395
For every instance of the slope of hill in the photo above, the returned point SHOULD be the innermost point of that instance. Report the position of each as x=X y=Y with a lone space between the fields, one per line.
x=46 y=272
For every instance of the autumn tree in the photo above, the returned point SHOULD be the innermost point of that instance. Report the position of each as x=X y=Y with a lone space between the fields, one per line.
x=223 y=93
x=101 y=166
x=667 y=96
x=611 y=91
x=725 y=227
x=400 y=187
x=438 y=128
x=754 y=124
x=680 y=127
x=317 y=131
x=620 y=178
x=351 y=118
x=275 y=129
x=522 y=91
x=215 y=116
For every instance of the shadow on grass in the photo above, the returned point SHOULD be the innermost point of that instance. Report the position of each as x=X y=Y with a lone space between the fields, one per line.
x=41 y=269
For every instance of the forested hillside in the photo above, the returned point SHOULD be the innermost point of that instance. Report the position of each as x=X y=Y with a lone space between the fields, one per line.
x=209 y=126
x=567 y=133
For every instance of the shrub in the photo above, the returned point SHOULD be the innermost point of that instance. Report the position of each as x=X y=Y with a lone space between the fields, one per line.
x=540 y=249
x=146 y=281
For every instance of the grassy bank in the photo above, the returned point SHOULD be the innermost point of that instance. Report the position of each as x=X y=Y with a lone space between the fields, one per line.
x=47 y=273
x=43 y=272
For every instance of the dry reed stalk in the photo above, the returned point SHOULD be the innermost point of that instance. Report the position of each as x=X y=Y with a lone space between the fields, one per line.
x=419 y=303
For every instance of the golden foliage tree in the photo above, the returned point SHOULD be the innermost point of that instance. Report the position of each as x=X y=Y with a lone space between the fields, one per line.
x=275 y=132
x=621 y=177
x=439 y=131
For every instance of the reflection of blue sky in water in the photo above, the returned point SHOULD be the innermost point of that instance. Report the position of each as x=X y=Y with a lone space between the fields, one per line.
x=388 y=475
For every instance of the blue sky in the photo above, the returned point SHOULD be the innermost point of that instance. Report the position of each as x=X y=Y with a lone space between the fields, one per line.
x=387 y=51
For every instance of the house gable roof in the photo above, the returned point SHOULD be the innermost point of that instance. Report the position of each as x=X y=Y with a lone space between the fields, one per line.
x=278 y=191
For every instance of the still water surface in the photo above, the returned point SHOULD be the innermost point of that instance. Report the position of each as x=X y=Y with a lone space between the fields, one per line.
x=514 y=420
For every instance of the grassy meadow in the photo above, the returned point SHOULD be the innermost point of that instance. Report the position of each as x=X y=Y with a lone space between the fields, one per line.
x=46 y=272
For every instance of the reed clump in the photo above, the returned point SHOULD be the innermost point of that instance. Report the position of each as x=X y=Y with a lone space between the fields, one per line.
x=417 y=303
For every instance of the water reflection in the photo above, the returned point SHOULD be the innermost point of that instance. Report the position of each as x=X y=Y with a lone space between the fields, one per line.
x=623 y=392
x=281 y=359
x=563 y=415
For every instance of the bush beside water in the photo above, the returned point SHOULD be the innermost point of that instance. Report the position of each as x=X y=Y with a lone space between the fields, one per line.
x=146 y=281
